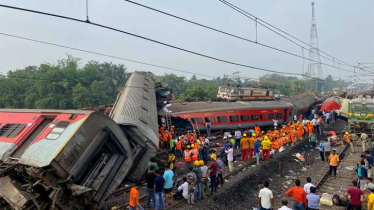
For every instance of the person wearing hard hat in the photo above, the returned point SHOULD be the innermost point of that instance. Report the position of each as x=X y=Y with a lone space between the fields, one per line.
x=171 y=159
x=244 y=145
x=232 y=141
x=178 y=147
x=172 y=130
x=252 y=141
x=195 y=152
x=266 y=146
x=348 y=141
x=165 y=139
x=213 y=168
x=187 y=157
x=194 y=134
x=198 y=174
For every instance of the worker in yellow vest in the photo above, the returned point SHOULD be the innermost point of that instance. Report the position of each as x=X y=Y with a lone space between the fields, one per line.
x=266 y=146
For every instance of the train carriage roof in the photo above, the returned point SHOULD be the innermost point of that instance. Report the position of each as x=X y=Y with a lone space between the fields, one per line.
x=202 y=106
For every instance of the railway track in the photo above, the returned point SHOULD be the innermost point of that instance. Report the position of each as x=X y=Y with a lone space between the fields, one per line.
x=238 y=168
x=142 y=198
x=346 y=174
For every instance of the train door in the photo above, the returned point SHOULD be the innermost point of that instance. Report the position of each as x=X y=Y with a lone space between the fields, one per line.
x=285 y=115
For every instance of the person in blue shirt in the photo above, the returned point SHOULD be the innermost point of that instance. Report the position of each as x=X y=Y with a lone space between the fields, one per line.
x=159 y=184
x=321 y=150
x=362 y=174
x=168 y=188
x=257 y=151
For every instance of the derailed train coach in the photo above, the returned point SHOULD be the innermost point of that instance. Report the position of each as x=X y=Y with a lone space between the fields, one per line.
x=242 y=114
x=53 y=159
x=60 y=159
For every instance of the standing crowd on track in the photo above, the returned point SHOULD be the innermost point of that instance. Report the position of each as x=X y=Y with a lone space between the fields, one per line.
x=202 y=163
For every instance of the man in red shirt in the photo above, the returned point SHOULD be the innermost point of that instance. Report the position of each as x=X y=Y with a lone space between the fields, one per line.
x=213 y=168
x=299 y=196
x=355 y=194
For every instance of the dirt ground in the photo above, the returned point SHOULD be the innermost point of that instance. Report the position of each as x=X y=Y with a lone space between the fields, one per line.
x=240 y=192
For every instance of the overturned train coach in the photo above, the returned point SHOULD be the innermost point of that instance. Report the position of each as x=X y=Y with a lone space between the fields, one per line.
x=51 y=159
x=243 y=114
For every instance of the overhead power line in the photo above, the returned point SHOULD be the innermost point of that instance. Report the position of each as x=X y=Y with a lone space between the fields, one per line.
x=270 y=27
x=233 y=35
x=110 y=56
x=103 y=54
x=151 y=40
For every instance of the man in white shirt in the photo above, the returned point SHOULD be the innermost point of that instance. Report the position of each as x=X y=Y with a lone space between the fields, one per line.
x=265 y=198
x=284 y=205
x=238 y=137
x=327 y=118
x=314 y=123
x=275 y=123
x=364 y=142
x=183 y=189
x=308 y=185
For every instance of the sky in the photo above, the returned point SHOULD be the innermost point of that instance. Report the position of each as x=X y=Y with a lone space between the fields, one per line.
x=345 y=31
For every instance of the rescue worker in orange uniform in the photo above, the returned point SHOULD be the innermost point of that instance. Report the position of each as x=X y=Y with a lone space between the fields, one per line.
x=165 y=139
x=172 y=130
x=299 y=132
x=276 y=133
x=257 y=130
x=252 y=141
x=194 y=134
x=310 y=128
x=189 y=135
x=194 y=152
x=187 y=157
x=244 y=145
x=161 y=129
x=293 y=135
x=184 y=143
x=178 y=147
x=348 y=140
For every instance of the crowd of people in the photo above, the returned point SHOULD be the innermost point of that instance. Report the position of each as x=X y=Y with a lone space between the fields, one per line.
x=204 y=164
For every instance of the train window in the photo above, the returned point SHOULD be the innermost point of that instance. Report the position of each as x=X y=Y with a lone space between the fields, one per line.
x=279 y=115
x=244 y=118
x=196 y=120
x=254 y=117
x=11 y=130
x=222 y=119
x=357 y=107
x=242 y=92
x=234 y=118
x=370 y=107
x=271 y=116
x=210 y=119
x=58 y=130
